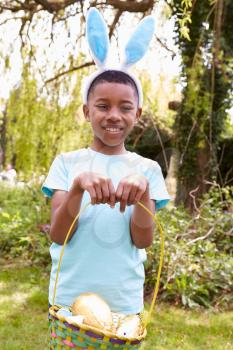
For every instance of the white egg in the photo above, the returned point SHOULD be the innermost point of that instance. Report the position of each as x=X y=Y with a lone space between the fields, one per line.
x=129 y=327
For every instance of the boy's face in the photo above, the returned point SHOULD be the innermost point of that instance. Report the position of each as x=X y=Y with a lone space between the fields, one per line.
x=112 y=109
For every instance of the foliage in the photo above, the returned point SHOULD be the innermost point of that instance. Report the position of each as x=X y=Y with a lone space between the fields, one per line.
x=198 y=267
x=152 y=134
x=184 y=18
x=225 y=173
x=207 y=85
x=23 y=216
x=38 y=128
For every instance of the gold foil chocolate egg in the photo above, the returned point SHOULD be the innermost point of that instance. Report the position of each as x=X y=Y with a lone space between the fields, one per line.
x=95 y=310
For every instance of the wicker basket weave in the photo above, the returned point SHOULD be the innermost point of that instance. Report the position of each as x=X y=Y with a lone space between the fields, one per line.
x=65 y=336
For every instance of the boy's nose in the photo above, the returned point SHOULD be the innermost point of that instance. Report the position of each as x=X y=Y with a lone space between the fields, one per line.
x=114 y=114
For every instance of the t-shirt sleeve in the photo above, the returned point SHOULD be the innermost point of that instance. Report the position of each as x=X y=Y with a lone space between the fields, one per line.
x=157 y=186
x=57 y=177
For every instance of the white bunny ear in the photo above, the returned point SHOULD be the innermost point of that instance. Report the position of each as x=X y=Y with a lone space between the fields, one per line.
x=139 y=42
x=97 y=36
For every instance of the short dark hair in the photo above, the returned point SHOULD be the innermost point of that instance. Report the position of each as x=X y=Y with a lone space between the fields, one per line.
x=113 y=76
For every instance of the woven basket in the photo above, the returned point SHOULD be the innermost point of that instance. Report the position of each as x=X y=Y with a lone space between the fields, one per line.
x=64 y=335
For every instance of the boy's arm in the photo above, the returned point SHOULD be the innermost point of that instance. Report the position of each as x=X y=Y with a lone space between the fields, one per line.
x=142 y=224
x=65 y=206
x=130 y=190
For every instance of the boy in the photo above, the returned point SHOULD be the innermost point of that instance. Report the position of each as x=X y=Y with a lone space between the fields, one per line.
x=105 y=254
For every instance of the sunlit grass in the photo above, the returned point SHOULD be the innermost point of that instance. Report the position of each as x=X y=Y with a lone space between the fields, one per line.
x=175 y=328
x=23 y=309
x=23 y=318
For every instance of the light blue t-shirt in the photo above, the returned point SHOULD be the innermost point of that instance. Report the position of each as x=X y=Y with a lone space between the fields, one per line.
x=100 y=257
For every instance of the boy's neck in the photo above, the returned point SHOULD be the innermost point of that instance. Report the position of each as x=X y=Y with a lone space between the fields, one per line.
x=109 y=150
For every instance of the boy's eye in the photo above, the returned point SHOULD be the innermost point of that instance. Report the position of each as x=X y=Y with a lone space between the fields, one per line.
x=126 y=108
x=102 y=106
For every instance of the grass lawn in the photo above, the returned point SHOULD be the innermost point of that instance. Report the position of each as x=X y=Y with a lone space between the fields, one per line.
x=23 y=318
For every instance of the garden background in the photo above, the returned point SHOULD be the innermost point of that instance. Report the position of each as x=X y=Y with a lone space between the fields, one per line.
x=187 y=126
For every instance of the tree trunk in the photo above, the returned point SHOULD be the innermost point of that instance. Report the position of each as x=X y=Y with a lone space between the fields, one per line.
x=3 y=139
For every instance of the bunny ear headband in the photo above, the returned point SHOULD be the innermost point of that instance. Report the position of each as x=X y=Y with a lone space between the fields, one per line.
x=98 y=41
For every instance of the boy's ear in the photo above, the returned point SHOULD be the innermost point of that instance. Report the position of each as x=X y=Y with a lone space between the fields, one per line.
x=138 y=114
x=86 y=112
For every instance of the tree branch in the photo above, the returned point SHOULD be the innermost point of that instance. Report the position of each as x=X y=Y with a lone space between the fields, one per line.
x=128 y=5
x=132 y=6
x=159 y=138
x=202 y=237
x=54 y=6
x=187 y=143
x=191 y=193
x=10 y=19
x=21 y=6
x=114 y=23
x=87 y=64
x=226 y=179
x=165 y=47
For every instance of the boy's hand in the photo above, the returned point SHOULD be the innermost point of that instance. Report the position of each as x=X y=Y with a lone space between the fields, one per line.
x=100 y=187
x=132 y=189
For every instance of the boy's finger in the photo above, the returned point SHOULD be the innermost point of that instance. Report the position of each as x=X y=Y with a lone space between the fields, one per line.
x=122 y=206
x=132 y=195
x=119 y=192
x=105 y=193
x=112 y=195
x=98 y=194
x=92 y=193
x=138 y=195
x=124 y=197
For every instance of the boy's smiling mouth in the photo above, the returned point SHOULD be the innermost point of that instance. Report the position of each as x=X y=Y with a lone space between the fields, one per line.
x=113 y=130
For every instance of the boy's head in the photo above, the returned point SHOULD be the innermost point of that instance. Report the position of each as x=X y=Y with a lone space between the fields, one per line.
x=113 y=76
x=113 y=98
x=112 y=108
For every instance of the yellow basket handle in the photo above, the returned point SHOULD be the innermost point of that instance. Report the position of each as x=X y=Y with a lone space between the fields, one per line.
x=156 y=288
